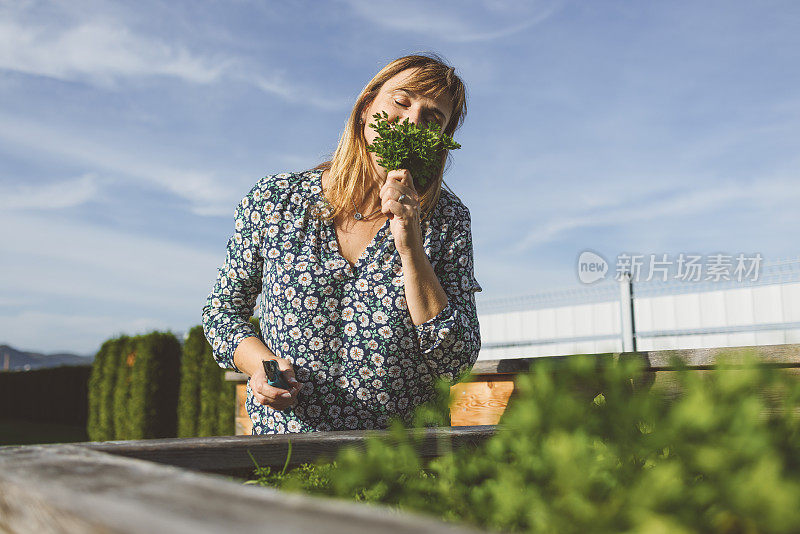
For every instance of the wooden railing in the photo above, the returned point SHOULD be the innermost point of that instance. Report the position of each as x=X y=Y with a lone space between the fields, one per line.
x=484 y=399
x=174 y=485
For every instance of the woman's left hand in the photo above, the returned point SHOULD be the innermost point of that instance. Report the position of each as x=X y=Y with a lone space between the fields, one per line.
x=404 y=218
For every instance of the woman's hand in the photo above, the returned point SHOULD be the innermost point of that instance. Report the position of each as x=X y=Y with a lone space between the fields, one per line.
x=404 y=219
x=276 y=398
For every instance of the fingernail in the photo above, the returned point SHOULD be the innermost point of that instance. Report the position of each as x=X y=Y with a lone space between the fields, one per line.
x=292 y=380
x=286 y=395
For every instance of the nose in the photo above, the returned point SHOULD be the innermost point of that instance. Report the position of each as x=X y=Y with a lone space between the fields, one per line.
x=413 y=114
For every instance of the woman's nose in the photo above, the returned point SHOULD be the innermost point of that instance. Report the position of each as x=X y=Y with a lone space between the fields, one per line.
x=412 y=114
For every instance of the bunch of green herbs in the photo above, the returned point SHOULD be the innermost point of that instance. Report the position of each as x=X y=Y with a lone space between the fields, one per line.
x=406 y=145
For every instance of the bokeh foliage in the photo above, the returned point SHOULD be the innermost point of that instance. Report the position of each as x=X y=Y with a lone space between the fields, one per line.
x=580 y=449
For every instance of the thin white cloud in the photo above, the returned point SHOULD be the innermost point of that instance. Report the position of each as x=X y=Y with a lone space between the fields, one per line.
x=64 y=194
x=763 y=193
x=103 y=51
x=100 y=51
x=447 y=20
x=77 y=260
x=207 y=193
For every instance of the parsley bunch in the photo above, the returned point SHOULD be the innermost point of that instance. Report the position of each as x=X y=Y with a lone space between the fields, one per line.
x=404 y=145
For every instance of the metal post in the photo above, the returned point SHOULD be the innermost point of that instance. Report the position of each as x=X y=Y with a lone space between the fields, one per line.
x=628 y=328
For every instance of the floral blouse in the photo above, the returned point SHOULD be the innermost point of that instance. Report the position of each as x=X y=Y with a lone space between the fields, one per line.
x=345 y=328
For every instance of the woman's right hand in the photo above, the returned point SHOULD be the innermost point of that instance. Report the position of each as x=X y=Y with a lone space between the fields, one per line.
x=276 y=398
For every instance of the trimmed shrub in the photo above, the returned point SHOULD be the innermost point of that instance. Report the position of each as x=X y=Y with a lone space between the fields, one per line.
x=103 y=380
x=154 y=386
x=133 y=388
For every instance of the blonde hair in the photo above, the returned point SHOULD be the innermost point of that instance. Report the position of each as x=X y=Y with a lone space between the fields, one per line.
x=351 y=168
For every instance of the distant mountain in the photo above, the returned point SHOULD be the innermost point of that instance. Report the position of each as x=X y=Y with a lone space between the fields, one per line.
x=12 y=359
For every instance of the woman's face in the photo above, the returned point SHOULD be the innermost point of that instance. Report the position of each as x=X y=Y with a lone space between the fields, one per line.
x=400 y=103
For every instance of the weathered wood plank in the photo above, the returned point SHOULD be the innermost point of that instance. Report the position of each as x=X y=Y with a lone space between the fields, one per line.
x=777 y=355
x=66 y=488
x=229 y=454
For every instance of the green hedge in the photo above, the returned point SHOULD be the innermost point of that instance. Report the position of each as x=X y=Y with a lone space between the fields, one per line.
x=52 y=395
x=150 y=386
x=207 y=401
x=581 y=450
x=134 y=386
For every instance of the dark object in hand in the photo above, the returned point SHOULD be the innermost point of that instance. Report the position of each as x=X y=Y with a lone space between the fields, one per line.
x=274 y=375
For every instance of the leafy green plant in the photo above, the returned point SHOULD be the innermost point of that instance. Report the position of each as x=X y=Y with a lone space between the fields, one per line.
x=583 y=448
x=405 y=145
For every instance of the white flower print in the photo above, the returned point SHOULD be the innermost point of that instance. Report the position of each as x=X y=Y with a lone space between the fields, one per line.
x=331 y=321
x=385 y=331
x=365 y=373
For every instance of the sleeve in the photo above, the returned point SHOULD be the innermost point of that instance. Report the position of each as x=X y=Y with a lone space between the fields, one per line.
x=450 y=342
x=226 y=315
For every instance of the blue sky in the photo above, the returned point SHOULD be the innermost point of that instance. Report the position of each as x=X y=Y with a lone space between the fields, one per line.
x=130 y=130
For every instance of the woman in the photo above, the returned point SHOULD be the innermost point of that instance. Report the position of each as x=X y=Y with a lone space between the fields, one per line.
x=366 y=280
